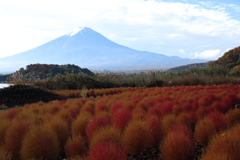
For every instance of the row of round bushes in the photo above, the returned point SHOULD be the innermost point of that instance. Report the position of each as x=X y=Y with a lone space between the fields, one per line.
x=21 y=94
x=110 y=127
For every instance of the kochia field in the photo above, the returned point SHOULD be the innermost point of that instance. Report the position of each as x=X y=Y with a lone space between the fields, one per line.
x=112 y=124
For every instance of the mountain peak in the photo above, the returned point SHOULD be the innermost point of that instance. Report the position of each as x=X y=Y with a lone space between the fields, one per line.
x=89 y=49
x=76 y=31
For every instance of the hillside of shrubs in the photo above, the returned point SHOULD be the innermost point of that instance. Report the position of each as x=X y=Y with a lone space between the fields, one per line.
x=45 y=71
x=230 y=59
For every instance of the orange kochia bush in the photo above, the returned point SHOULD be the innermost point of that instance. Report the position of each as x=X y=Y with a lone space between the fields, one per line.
x=122 y=121
x=178 y=144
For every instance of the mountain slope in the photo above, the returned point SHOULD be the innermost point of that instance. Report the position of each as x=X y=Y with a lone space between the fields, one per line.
x=230 y=59
x=87 y=48
x=188 y=66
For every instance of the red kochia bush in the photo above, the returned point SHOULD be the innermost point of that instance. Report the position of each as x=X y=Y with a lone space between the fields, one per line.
x=204 y=130
x=195 y=105
x=53 y=110
x=181 y=128
x=166 y=109
x=137 y=137
x=88 y=107
x=178 y=145
x=188 y=119
x=14 y=137
x=76 y=147
x=66 y=117
x=73 y=112
x=187 y=107
x=154 y=125
x=206 y=100
x=224 y=146
x=228 y=102
x=107 y=150
x=121 y=119
x=176 y=110
x=155 y=111
x=4 y=153
x=138 y=113
x=218 y=120
x=168 y=122
x=80 y=124
x=40 y=143
x=62 y=130
x=12 y=113
x=106 y=134
x=4 y=126
x=232 y=117
x=100 y=106
x=96 y=123
x=115 y=107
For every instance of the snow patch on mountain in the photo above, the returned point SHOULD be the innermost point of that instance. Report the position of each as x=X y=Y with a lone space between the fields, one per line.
x=76 y=31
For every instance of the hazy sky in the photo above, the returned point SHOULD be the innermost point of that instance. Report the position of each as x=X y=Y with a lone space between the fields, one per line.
x=186 y=28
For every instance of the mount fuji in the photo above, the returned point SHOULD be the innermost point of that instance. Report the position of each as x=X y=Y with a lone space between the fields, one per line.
x=89 y=49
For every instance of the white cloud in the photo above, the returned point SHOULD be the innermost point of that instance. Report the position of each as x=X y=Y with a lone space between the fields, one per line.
x=236 y=7
x=181 y=51
x=208 y=54
x=174 y=35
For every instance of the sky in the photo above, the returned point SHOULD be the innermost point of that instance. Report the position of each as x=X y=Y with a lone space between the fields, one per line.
x=204 y=29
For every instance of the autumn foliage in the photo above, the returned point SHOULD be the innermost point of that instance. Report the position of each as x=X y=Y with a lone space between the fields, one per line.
x=115 y=123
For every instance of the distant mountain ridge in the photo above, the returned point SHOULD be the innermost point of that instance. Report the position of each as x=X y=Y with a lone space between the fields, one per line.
x=188 y=66
x=89 y=49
